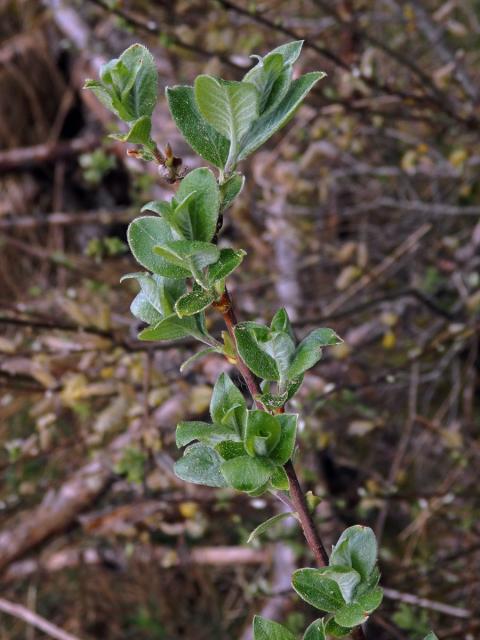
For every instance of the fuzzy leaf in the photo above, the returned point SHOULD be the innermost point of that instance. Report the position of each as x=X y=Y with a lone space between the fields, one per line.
x=264 y=526
x=205 y=432
x=172 y=328
x=290 y=51
x=264 y=76
x=200 y=135
x=203 y=208
x=193 y=302
x=319 y=591
x=230 y=189
x=143 y=235
x=356 y=548
x=251 y=351
x=201 y=465
x=197 y=356
x=245 y=473
x=279 y=479
x=316 y=631
x=230 y=107
x=141 y=308
x=335 y=630
x=225 y=396
x=431 y=636
x=371 y=600
x=262 y=433
x=281 y=322
x=264 y=629
x=229 y=449
x=350 y=615
x=283 y=451
x=309 y=351
x=273 y=120
x=227 y=263
x=139 y=132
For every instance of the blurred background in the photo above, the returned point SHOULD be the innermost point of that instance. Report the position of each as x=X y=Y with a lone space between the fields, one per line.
x=363 y=215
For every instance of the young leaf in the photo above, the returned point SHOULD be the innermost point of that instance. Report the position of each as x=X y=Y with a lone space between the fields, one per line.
x=289 y=51
x=141 y=308
x=261 y=363
x=246 y=473
x=228 y=261
x=281 y=322
x=264 y=526
x=283 y=451
x=319 y=591
x=273 y=120
x=230 y=107
x=198 y=355
x=143 y=235
x=350 y=615
x=203 y=208
x=309 y=351
x=335 y=630
x=371 y=600
x=188 y=253
x=173 y=328
x=193 y=302
x=139 y=132
x=281 y=348
x=264 y=75
x=230 y=189
x=356 y=548
x=205 y=432
x=279 y=479
x=346 y=578
x=228 y=449
x=225 y=396
x=201 y=465
x=264 y=629
x=262 y=434
x=200 y=135
x=316 y=631
x=431 y=636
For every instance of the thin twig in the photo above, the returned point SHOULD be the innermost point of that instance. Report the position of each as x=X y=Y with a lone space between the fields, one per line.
x=33 y=619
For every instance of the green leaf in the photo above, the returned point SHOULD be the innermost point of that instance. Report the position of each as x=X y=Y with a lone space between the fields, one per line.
x=350 y=615
x=279 y=479
x=346 y=578
x=283 y=451
x=143 y=235
x=356 y=548
x=245 y=473
x=281 y=348
x=201 y=465
x=225 y=396
x=290 y=51
x=272 y=400
x=160 y=292
x=142 y=309
x=335 y=630
x=252 y=353
x=264 y=629
x=264 y=76
x=264 y=526
x=230 y=189
x=198 y=355
x=188 y=252
x=431 y=636
x=228 y=449
x=371 y=600
x=319 y=591
x=316 y=631
x=309 y=351
x=269 y=123
x=170 y=328
x=230 y=107
x=129 y=84
x=228 y=261
x=139 y=132
x=200 y=135
x=262 y=433
x=281 y=322
x=193 y=302
x=205 y=432
x=202 y=209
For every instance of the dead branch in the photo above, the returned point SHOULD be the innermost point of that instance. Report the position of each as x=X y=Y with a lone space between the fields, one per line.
x=33 y=619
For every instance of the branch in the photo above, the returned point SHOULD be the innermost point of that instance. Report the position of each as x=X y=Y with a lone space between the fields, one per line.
x=34 y=620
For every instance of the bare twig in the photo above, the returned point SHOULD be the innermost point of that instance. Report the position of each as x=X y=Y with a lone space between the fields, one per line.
x=33 y=619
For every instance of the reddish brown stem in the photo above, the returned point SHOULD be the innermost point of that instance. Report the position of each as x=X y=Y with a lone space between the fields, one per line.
x=225 y=307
